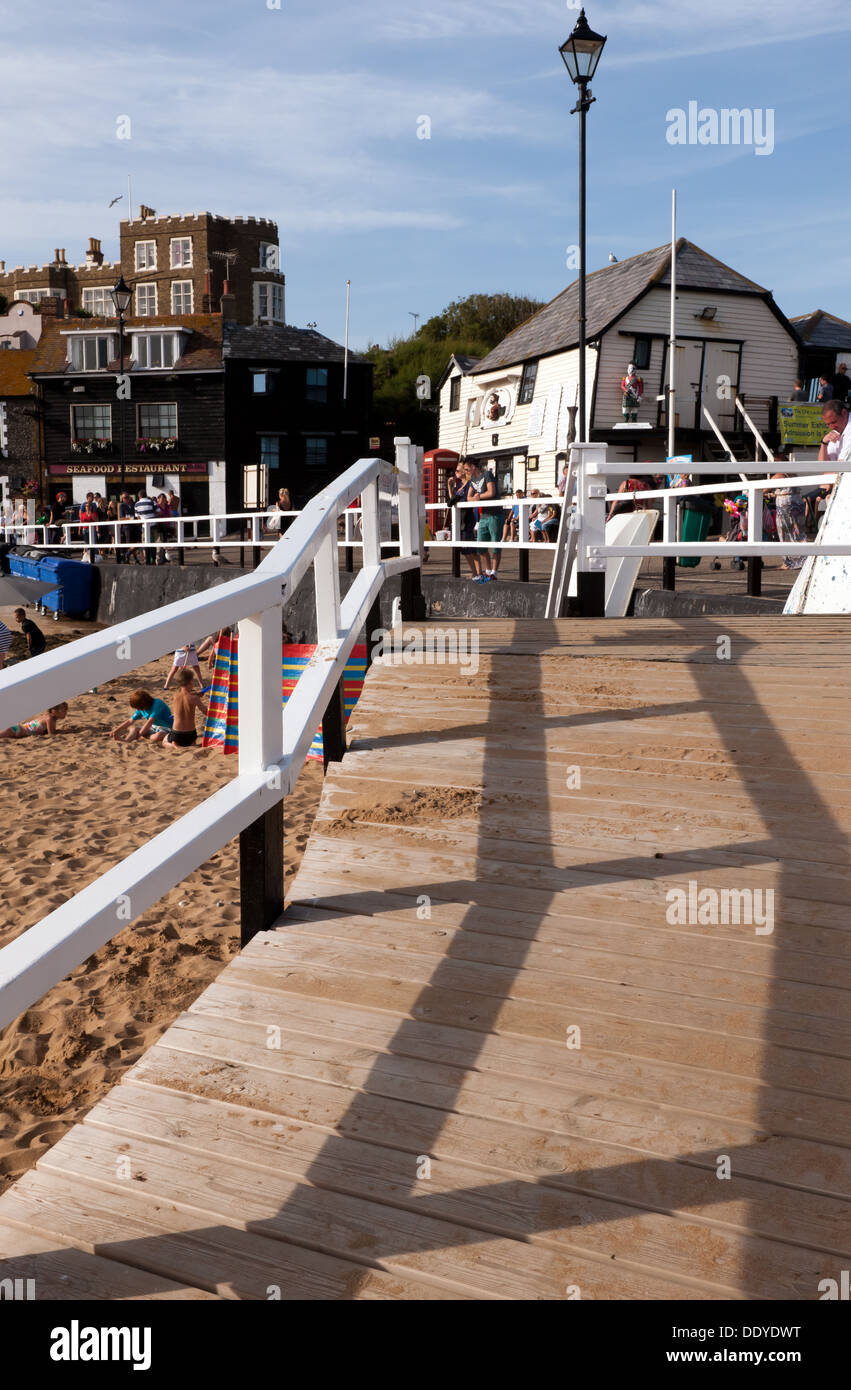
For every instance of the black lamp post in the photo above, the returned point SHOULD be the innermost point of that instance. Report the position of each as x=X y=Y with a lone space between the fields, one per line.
x=581 y=54
x=121 y=294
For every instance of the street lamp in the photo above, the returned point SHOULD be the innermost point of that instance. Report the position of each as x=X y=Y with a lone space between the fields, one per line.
x=121 y=294
x=581 y=54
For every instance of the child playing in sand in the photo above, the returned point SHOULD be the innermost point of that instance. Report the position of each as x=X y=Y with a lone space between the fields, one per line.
x=185 y=658
x=151 y=718
x=184 y=734
x=45 y=724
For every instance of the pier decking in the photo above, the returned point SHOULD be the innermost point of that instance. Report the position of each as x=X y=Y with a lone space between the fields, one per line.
x=480 y=1057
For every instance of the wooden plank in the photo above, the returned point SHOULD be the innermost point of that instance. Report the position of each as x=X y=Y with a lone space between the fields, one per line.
x=59 y=1273
x=163 y=1239
x=682 y=1246
x=744 y=1105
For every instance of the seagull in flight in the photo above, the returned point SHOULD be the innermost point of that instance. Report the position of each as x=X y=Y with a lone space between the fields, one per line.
x=116 y=200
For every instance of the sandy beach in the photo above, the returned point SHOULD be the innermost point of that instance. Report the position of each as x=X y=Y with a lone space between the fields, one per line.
x=70 y=808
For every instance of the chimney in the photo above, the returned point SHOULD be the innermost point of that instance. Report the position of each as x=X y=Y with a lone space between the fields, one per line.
x=62 y=254
x=228 y=305
x=94 y=255
x=2 y=265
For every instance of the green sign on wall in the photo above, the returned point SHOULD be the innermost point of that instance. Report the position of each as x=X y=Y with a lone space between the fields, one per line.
x=801 y=424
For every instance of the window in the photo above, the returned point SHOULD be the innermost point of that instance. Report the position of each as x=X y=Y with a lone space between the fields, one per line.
x=181 y=251
x=157 y=421
x=455 y=393
x=270 y=450
x=317 y=384
x=91 y=421
x=260 y=383
x=316 y=452
x=99 y=303
x=641 y=352
x=91 y=354
x=146 y=255
x=155 y=350
x=527 y=383
x=269 y=302
x=270 y=256
x=32 y=296
x=181 y=296
x=146 y=301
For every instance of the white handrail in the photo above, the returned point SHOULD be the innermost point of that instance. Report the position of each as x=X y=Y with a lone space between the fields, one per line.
x=273 y=744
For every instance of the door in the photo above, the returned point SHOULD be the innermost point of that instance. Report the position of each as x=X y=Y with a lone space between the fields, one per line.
x=687 y=398
x=721 y=384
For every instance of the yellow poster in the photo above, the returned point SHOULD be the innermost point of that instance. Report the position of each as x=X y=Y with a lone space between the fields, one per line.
x=801 y=424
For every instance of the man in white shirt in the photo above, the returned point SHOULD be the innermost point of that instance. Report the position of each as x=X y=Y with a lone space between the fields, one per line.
x=836 y=444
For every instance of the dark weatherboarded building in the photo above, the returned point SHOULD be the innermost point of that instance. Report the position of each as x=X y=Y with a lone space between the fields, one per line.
x=286 y=410
x=168 y=431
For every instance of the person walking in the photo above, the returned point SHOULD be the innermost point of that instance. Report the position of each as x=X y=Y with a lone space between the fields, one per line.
x=144 y=510
x=126 y=512
x=483 y=487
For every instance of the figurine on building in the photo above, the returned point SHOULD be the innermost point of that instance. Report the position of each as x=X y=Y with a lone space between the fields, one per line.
x=633 y=389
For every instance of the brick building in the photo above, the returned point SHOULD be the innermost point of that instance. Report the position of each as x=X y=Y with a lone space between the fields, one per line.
x=20 y=451
x=174 y=264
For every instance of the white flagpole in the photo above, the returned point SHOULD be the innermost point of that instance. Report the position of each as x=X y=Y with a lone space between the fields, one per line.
x=672 y=344
x=346 y=352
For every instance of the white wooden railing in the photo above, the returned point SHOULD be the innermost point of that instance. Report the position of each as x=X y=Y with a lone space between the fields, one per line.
x=272 y=744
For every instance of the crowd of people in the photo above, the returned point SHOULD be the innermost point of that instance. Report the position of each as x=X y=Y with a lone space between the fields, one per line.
x=96 y=511
x=483 y=528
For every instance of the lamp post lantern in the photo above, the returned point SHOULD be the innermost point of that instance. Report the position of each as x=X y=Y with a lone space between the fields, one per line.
x=121 y=294
x=581 y=54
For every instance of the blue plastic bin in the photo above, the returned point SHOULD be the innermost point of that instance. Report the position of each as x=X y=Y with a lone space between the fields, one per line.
x=74 y=577
x=24 y=566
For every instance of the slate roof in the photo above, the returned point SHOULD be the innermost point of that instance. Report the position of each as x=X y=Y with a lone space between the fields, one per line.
x=823 y=330
x=271 y=343
x=202 y=349
x=609 y=293
x=461 y=360
x=14 y=365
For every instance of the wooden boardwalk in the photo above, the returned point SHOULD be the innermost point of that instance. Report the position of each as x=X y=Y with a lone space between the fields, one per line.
x=384 y=1097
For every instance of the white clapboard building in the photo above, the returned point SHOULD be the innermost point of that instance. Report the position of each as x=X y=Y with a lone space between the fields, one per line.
x=516 y=408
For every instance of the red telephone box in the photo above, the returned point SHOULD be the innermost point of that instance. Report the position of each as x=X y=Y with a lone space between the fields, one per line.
x=437 y=463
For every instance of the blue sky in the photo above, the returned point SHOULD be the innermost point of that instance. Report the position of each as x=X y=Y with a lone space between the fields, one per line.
x=310 y=114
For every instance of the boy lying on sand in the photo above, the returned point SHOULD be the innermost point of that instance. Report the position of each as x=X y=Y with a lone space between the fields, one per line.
x=45 y=724
x=151 y=718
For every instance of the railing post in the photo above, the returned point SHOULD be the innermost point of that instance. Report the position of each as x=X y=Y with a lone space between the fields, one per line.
x=410 y=530
x=371 y=557
x=670 y=522
x=523 y=510
x=455 y=536
x=255 y=541
x=261 y=844
x=349 y=555
x=334 y=727
x=755 y=534
x=181 y=533
x=591 y=494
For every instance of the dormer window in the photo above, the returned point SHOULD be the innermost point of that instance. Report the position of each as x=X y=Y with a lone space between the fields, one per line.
x=92 y=352
x=152 y=350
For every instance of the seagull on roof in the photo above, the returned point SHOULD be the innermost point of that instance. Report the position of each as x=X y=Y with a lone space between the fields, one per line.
x=116 y=200
x=613 y=260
